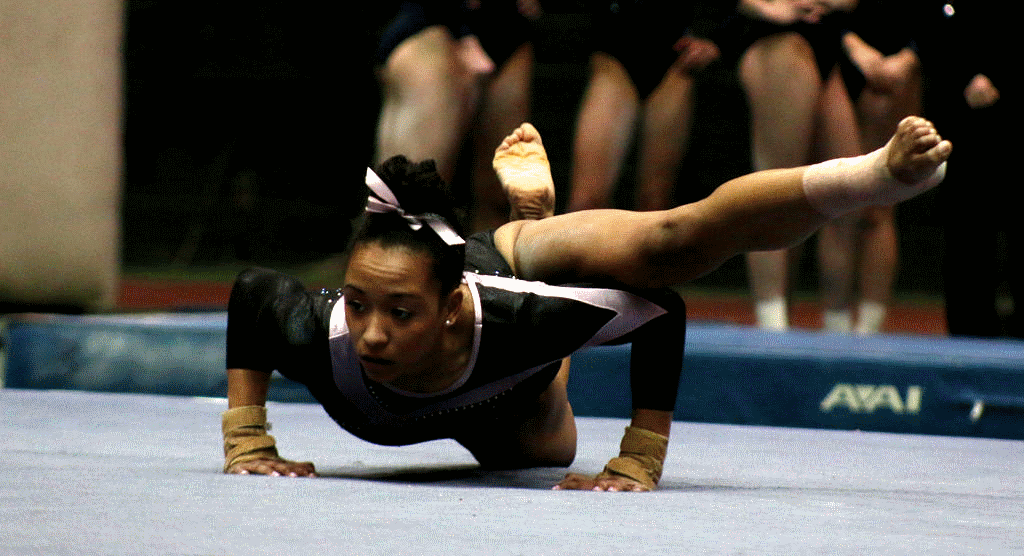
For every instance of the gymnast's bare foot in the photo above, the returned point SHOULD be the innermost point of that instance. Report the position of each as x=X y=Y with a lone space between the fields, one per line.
x=912 y=162
x=523 y=170
x=916 y=153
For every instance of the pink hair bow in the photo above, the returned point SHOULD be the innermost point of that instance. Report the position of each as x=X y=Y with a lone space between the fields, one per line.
x=385 y=201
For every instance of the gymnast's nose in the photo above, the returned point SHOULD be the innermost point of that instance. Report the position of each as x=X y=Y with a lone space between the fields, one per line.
x=375 y=336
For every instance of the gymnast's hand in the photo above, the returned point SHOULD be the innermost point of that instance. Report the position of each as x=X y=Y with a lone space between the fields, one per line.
x=575 y=481
x=695 y=54
x=530 y=9
x=785 y=12
x=274 y=467
x=980 y=92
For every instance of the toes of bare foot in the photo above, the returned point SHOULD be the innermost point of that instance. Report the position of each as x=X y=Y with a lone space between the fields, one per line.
x=528 y=132
x=525 y=133
x=916 y=150
x=523 y=141
x=522 y=167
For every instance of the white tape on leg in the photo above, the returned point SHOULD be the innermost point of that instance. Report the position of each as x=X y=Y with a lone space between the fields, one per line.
x=840 y=186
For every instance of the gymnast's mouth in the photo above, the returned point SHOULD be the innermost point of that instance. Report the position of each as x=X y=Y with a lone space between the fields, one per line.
x=377 y=369
x=368 y=361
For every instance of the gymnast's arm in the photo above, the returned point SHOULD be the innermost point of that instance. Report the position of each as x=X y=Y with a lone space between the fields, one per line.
x=247 y=446
x=656 y=362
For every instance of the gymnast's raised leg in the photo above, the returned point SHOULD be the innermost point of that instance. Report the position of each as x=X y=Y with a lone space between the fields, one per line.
x=765 y=210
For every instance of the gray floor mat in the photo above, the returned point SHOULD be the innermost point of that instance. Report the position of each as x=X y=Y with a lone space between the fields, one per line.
x=89 y=473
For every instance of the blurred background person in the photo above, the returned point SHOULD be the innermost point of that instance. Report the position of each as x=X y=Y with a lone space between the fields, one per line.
x=452 y=70
x=968 y=52
x=882 y=72
x=642 y=65
x=800 y=113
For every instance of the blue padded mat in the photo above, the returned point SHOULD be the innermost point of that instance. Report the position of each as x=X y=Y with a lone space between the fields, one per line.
x=732 y=374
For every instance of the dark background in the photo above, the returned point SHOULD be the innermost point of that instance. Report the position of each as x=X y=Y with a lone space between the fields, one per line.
x=248 y=128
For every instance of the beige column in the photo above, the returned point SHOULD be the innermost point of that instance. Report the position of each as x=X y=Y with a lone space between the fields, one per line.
x=60 y=151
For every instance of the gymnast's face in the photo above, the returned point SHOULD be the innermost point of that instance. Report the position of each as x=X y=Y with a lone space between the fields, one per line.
x=395 y=313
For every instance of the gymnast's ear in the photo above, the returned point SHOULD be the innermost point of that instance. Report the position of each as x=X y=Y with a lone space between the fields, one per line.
x=451 y=306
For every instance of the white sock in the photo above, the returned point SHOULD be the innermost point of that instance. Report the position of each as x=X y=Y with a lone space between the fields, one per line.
x=836 y=187
x=838 y=321
x=870 y=317
x=772 y=314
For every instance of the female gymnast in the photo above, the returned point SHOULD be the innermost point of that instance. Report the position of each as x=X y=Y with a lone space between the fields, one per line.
x=433 y=336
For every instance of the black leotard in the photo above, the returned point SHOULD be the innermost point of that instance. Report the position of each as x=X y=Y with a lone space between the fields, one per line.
x=523 y=330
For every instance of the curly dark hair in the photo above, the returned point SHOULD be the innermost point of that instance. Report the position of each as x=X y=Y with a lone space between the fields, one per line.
x=419 y=190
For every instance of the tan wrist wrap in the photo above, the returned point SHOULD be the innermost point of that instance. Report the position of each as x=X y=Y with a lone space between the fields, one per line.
x=245 y=435
x=641 y=457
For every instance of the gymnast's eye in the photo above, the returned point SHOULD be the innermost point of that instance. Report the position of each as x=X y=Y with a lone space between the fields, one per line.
x=354 y=305
x=401 y=314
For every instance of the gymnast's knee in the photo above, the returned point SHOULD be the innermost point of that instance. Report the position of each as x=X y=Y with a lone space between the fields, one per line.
x=553 y=454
